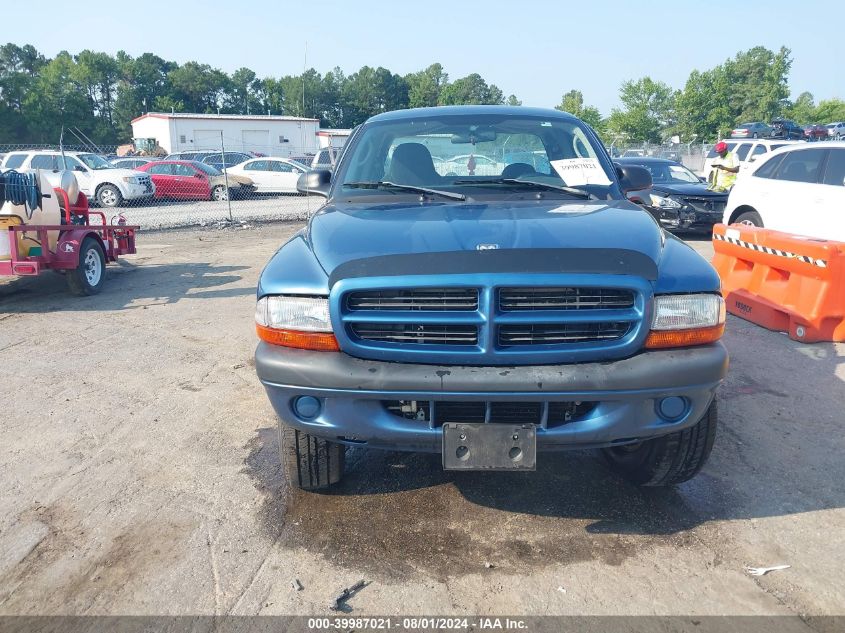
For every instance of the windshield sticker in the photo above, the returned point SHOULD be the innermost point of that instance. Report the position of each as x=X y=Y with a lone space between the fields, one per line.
x=580 y=171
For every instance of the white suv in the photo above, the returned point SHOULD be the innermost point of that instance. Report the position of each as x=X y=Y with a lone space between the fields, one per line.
x=798 y=189
x=98 y=179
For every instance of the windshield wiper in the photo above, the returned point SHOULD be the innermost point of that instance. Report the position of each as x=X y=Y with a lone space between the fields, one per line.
x=384 y=184
x=578 y=193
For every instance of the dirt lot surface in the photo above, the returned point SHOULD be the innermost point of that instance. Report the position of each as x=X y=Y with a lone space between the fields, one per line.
x=140 y=475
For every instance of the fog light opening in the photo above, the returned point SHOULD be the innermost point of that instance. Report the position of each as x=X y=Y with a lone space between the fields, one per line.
x=672 y=408
x=306 y=407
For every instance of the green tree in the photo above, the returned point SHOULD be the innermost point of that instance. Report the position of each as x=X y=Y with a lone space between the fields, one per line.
x=56 y=100
x=19 y=68
x=649 y=110
x=199 y=86
x=752 y=86
x=513 y=101
x=804 y=109
x=370 y=91
x=573 y=103
x=425 y=86
x=242 y=93
x=471 y=89
x=830 y=111
x=759 y=87
x=143 y=81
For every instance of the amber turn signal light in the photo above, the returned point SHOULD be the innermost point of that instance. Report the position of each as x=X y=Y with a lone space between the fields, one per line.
x=318 y=341
x=661 y=339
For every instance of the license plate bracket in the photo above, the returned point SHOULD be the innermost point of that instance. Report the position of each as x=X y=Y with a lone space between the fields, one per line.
x=492 y=446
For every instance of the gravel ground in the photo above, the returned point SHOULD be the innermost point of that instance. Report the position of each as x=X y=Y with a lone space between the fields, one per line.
x=140 y=475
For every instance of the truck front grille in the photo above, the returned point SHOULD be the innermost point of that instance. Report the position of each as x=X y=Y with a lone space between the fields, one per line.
x=540 y=298
x=420 y=299
x=439 y=412
x=561 y=333
x=479 y=321
x=416 y=333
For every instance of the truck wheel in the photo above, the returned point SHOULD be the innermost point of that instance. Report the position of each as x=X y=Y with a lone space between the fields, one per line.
x=751 y=218
x=88 y=277
x=220 y=193
x=109 y=196
x=309 y=462
x=667 y=460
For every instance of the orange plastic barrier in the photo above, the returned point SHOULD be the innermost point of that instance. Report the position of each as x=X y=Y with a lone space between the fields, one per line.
x=783 y=282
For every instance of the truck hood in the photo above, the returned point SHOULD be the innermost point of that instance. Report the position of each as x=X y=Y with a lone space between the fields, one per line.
x=342 y=234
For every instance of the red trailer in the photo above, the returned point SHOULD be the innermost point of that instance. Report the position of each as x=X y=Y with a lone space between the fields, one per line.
x=82 y=248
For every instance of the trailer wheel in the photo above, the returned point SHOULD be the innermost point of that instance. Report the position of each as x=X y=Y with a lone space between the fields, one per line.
x=88 y=277
x=309 y=462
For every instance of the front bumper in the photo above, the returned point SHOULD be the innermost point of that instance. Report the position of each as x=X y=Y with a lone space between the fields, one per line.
x=626 y=393
x=687 y=218
x=137 y=192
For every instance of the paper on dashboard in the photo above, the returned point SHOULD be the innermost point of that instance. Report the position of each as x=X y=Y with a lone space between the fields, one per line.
x=580 y=171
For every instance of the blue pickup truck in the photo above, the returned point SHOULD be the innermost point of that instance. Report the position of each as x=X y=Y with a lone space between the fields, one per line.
x=446 y=299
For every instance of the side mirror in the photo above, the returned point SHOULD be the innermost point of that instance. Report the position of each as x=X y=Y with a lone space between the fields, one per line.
x=199 y=175
x=315 y=182
x=633 y=178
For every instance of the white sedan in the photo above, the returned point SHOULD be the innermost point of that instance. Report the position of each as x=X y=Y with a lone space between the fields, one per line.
x=797 y=189
x=270 y=175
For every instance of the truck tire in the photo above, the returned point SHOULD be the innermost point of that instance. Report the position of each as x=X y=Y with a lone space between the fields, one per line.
x=667 y=460
x=109 y=196
x=88 y=277
x=309 y=462
x=749 y=217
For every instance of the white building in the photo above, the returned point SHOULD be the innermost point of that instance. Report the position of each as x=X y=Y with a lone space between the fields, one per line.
x=332 y=137
x=266 y=134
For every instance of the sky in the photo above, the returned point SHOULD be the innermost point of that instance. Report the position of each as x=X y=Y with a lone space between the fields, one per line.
x=536 y=50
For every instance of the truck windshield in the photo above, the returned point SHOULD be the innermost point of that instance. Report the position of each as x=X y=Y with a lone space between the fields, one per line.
x=476 y=155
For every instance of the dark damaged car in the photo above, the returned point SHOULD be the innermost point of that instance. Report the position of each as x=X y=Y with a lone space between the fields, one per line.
x=450 y=300
x=678 y=199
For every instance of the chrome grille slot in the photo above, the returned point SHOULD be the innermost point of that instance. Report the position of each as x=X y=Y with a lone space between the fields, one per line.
x=559 y=333
x=561 y=298
x=420 y=299
x=416 y=333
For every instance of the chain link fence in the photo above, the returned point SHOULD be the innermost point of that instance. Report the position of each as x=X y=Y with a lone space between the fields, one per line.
x=193 y=188
x=691 y=155
x=184 y=188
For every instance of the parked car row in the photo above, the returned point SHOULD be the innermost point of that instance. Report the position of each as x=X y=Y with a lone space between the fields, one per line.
x=98 y=179
x=788 y=129
x=792 y=187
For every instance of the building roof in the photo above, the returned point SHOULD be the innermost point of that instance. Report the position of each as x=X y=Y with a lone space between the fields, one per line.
x=233 y=117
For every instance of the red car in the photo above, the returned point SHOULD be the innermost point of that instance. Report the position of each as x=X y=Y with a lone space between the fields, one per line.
x=815 y=132
x=193 y=180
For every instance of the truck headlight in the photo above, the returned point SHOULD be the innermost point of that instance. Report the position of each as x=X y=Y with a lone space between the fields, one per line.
x=664 y=202
x=295 y=321
x=684 y=320
x=131 y=180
